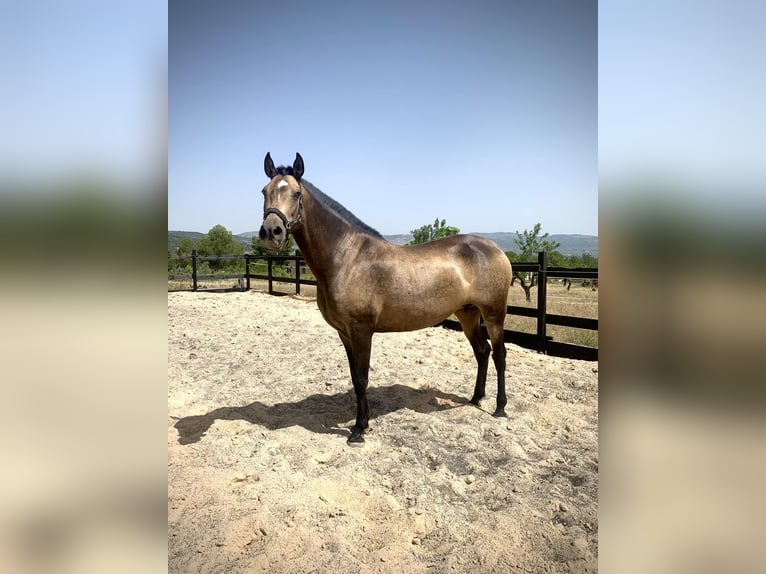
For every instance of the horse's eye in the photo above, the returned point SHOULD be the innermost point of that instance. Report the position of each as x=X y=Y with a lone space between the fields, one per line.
x=297 y=195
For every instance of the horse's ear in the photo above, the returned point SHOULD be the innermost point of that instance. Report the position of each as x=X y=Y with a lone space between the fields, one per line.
x=268 y=166
x=298 y=167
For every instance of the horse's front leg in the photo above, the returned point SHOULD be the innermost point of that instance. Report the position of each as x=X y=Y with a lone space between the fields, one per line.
x=358 y=346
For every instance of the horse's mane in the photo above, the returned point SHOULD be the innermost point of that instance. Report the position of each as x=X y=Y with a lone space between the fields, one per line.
x=328 y=201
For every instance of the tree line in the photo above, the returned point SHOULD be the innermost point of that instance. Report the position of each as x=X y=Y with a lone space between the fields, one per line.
x=217 y=242
x=220 y=241
x=529 y=243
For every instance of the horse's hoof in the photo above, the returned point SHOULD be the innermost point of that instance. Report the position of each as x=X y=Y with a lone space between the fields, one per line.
x=500 y=414
x=355 y=441
x=475 y=402
x=357 y=437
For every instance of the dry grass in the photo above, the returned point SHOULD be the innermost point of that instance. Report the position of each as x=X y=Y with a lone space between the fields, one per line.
x=578 y=301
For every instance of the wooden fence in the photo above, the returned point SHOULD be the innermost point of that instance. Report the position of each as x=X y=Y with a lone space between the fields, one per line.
x=539 y=340
x=244 y=278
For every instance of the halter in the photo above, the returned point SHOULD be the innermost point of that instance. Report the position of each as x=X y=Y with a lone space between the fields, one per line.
x=288 y=224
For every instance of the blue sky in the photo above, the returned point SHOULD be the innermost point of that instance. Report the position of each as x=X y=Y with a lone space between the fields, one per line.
x=482 y=113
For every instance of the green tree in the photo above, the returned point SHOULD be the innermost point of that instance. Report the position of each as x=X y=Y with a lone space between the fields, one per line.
x=178 y=266
x=185 y=246
x=430 y=232
x=219 y=241
x=556 y=259
x=583 y=260
x=589 y=260
x=530 y=243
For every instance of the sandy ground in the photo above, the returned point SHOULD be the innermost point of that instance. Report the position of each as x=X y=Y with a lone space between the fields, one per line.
x=260 y=478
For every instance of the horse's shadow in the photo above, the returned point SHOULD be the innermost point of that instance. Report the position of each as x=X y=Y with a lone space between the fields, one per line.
x=320 y=413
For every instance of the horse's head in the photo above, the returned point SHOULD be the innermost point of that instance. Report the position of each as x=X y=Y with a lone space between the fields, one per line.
x=282 y=202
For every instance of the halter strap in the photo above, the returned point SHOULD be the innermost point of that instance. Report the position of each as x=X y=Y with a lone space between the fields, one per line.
x=288 y=224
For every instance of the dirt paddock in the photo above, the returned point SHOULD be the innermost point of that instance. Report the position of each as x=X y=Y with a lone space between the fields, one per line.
x=260 y=478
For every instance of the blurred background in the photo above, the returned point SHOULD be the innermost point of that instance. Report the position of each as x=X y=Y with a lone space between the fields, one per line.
x=682 y=169
x=682 y=140
x=83 y=112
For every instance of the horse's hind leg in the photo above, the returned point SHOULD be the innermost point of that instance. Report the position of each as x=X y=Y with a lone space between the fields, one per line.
x=469 y=318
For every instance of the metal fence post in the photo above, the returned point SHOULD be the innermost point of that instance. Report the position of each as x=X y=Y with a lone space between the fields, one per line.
x=270 y=267
x=542 y=293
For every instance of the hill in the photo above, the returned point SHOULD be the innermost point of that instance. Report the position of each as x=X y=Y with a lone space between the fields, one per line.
x=571 y=244
x=174 y=238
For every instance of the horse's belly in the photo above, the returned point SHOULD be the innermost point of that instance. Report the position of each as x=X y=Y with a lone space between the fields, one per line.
x=422 y=300
x=411 y=318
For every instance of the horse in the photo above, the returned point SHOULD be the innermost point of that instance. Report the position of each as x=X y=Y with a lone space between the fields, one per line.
x=368 y=285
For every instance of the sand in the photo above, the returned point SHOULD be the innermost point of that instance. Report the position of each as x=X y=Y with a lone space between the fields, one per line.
x=260 y=478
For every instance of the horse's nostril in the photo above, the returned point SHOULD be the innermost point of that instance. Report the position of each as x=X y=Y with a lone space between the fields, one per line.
x=277 y=231
x=262 y=233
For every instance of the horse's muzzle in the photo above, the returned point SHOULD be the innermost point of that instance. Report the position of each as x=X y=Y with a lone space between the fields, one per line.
x=273 y=234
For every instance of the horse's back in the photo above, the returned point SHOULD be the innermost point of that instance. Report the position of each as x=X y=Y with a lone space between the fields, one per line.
x=477 y=257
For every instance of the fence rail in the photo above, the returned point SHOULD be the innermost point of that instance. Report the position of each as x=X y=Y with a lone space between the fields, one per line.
x=539 y=340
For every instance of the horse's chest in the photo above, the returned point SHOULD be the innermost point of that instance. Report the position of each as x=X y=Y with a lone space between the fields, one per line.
x=344 y=305
x=330 y=307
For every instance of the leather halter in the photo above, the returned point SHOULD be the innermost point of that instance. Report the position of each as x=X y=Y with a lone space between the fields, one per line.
x=288 y=224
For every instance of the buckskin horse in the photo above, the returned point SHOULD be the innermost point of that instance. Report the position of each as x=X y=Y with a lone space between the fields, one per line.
x=366 y=284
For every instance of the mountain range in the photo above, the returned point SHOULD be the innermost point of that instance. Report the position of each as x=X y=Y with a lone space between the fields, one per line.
x=571 y=244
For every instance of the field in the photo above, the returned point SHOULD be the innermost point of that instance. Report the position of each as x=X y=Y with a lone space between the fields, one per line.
x=260 y=478
x=577 y=301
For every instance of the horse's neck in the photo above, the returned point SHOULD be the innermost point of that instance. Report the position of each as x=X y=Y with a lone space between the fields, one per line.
x=323 y=238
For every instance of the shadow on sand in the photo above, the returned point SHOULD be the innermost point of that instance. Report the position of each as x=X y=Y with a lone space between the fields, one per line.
x=321 y=413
